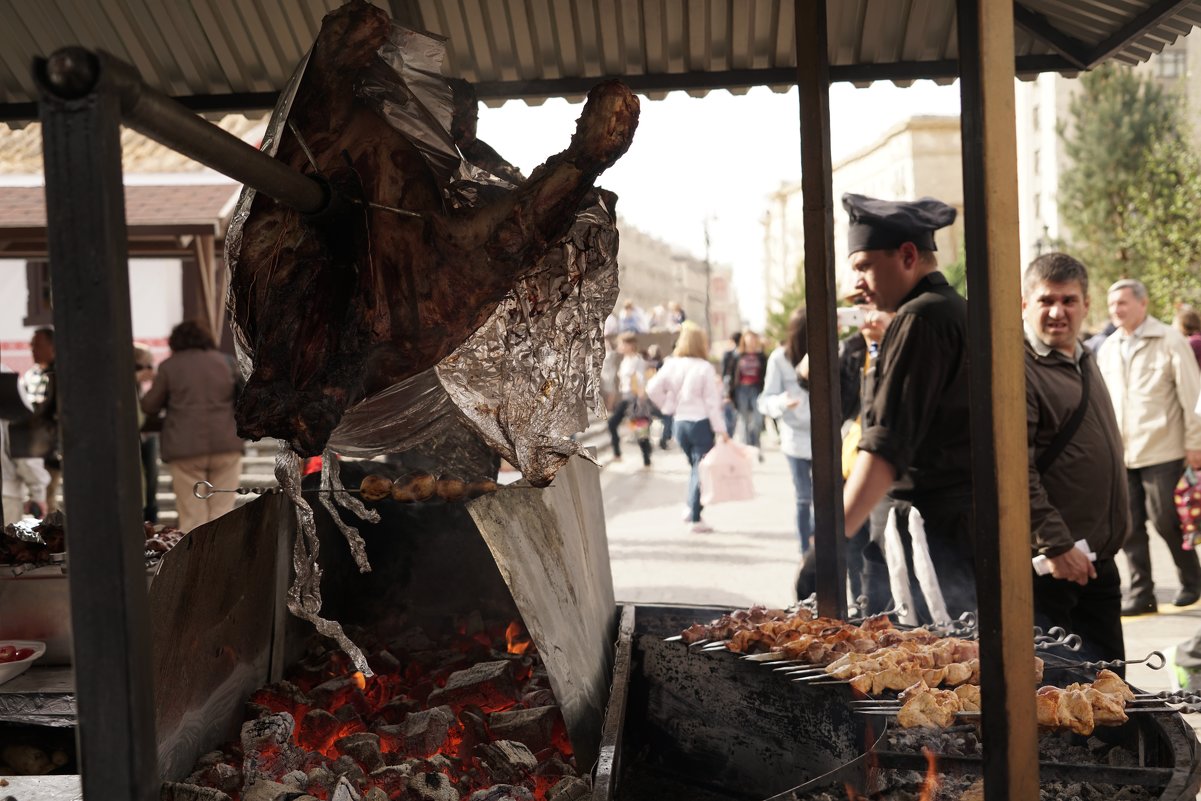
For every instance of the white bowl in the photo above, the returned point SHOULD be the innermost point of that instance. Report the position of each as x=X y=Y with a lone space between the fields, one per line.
x=10 y=670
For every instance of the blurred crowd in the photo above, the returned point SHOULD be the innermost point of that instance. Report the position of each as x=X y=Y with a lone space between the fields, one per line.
x=185 y=419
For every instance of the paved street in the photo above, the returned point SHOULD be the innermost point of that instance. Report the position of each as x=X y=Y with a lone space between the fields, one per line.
x=751 y=556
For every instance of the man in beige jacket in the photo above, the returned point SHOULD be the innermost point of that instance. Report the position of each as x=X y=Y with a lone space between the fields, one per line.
x=1154 y=382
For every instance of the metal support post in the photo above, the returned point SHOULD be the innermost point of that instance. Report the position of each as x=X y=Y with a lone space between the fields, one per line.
x=998 y=391
x=102 y=477
x=813 y=80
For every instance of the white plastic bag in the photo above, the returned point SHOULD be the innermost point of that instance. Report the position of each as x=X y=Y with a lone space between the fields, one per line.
x=725 y=473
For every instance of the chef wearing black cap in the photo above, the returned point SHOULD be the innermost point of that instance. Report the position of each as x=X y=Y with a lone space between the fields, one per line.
x=915 y=445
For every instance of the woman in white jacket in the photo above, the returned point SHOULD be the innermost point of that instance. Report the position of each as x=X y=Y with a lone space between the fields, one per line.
x=688 y=388
x=784 y=400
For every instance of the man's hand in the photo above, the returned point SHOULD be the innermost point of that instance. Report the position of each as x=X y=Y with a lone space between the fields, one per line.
x=1193 y=459
x=792 y=403
x=1072 y=566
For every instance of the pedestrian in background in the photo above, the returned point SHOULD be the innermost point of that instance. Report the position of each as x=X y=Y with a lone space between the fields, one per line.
x=42 y=387
x=688 y=389
x=784 y=400
x=654 y=363
x=143 y=365
x=1077 y=475
x=24 y=480
x=196 y=387
x=631 y=380
x=1188 y=322
x=1153 y=381
x=750 y=370
x=728 y=360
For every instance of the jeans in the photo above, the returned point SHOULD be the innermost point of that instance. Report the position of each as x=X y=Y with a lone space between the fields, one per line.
x=746 y=398
x=802 y=485
x=696 y=439
x=731 y=415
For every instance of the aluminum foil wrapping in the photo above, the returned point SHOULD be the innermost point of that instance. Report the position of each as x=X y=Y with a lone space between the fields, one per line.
x=333 y=495
x=407 y=88
x=237 y=221
x=304 y=596
x=526 y=377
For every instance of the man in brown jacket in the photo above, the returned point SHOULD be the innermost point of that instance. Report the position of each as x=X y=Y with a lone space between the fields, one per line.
x=1077 y=474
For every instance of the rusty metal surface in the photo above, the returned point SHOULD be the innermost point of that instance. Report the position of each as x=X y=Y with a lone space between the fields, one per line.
x=551 y=548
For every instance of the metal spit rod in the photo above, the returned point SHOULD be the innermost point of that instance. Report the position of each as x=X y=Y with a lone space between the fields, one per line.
x=74 y=72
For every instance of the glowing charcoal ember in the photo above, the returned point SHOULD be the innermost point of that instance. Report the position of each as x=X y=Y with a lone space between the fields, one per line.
x=364 y=748
x=318 y=731
x=220 y=776
x=502 y=792
x=264 y=790
x=432 y=787
x=506 y=761
x=532 y=727
x=422 y=734
x=267 y=747
x=488 y=685
x=570 y=788
x=345 y=791
x=283 y=696
x=181 y=791
x=391 y=779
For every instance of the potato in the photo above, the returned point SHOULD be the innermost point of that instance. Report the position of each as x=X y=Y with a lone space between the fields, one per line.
x=414 y=488
x=477 y=488
x=451 y=490
x=375 y=488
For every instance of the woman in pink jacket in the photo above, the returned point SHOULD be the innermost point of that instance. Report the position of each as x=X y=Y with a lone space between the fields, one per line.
x=688 y=389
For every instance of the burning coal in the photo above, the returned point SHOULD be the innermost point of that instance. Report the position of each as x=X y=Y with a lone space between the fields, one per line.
x=468 y=716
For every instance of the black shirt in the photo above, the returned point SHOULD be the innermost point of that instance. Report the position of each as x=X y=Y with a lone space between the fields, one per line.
x=916 y=405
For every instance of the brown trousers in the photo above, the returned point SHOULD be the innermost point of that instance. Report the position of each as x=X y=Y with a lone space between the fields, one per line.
x=222 y=470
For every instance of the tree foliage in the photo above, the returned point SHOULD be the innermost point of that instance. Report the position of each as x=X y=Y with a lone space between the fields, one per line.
x=1165 y=233
x=781 y=308
x=1126 y=135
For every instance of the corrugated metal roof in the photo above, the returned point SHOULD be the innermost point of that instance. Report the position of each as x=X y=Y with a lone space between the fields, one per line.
x=242 y=50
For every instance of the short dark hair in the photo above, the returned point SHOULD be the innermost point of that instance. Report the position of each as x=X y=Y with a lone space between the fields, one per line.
x=190 y=335
x=46 y=332
x=1054 y=268
x=1189 y=320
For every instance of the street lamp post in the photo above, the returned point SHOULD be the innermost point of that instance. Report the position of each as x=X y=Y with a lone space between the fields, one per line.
x=708 y=284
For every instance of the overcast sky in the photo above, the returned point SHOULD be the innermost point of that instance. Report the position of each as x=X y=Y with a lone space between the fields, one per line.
x=718 y=157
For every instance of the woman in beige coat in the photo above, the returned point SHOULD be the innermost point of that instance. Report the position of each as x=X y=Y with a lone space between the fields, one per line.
x=196 y=386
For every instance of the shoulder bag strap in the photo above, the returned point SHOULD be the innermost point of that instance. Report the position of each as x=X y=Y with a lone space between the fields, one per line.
x=1069 y=430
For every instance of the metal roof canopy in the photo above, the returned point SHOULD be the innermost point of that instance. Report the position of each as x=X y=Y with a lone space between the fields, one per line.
x=229 y=55
x=867 y=38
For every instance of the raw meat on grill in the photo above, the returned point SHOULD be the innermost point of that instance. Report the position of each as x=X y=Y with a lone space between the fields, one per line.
x=335 y=309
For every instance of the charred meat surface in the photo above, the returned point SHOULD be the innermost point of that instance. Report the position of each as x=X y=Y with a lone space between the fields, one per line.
x=333 y=311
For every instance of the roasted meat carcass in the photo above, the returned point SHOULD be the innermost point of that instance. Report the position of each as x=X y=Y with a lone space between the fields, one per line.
x=334 y=309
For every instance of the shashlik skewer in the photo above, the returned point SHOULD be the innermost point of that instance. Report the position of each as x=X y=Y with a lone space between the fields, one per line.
x=1078 y=707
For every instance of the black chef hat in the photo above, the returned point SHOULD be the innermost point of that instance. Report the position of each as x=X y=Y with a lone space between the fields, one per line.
x=888 y=224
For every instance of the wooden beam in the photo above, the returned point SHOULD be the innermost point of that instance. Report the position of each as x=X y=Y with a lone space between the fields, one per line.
x=813 y=80
x=997 y=386
x=1153 y=15
x=1071 y=48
